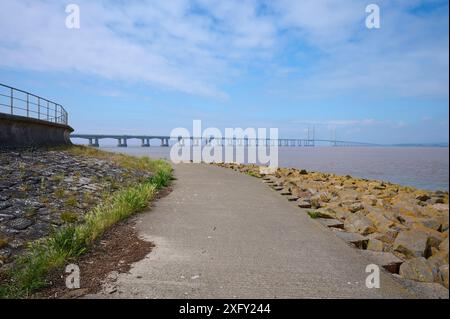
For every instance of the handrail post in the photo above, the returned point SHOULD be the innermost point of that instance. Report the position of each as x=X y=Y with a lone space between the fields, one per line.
x=48 y=108
x=28 y=105
x=39 y=108
x=12 y=101
x=56 y=113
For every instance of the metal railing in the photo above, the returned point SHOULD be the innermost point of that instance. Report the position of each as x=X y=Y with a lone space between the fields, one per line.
x=17 y=102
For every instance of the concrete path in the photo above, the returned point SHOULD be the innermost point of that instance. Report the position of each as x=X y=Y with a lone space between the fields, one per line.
x=222 y=234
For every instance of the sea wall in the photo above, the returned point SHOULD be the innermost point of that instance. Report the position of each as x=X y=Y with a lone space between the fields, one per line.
x=19 y=131
x=41 y=190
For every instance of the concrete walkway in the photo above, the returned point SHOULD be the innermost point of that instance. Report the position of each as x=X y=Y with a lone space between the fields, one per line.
x=222 y=234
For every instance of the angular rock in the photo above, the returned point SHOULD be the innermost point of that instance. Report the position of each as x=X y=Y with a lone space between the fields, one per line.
x=4 y=198
x=443 y=275
x=387 y=237
x=20 y=223
x=359 y=224
x=351 y=238
x=424 y=290
x=384 y=259
x=304 y=204
x=417 y=269
x=411 y=221
x=332 y=223
x=443 y=247
x=5 y=205
x=423 y=197
x=370 y=200
x=437 y=258
x=375 y=245
x=327 y=213
x=441 y=207
x=411 y=243
x=381 y=223
x=315 y=202
x=436 y=200
x=356 y=207
x=4 y=253
x=435 y=238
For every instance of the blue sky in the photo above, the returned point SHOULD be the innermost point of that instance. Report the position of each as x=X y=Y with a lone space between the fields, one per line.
x=146 y=67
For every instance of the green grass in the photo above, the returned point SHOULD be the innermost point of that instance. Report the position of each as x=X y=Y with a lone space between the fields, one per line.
x=72 y=201
x=69 y=217
x=314 y=214
x=66 y=244
x=254 y=174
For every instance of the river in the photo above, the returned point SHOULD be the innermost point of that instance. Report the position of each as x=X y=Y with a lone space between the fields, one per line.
x=421 y=167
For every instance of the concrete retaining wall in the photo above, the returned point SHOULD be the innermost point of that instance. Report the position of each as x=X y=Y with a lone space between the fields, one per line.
x=19 y=131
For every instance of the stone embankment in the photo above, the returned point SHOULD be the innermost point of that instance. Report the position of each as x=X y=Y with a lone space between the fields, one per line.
x=43 y=190
x=409 y=223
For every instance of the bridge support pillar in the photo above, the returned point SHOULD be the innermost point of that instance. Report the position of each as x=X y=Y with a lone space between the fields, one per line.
x=164 y=142
x=145 y=142
x=122 y=142
x=93 y=142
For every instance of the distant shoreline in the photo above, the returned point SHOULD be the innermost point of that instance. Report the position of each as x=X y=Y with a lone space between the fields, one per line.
x=420 y=167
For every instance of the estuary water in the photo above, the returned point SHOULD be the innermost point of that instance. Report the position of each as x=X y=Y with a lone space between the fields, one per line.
x=421 y=167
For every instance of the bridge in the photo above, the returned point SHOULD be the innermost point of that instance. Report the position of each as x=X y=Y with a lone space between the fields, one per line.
x=122 y=141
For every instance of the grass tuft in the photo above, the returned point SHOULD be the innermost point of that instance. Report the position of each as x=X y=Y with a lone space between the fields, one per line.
x=69 y=217
x=313 y=214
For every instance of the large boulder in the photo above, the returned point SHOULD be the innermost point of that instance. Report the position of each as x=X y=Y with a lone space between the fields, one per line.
x=387 y=237
x=435 y=238
x=422 y=196
x=417 y=269
x=380 y=221
x=315 y=202
x=411 y=243
x=439 y=256
x=325 y=213
x=369 y=200
x=443 y=275
x=359 y=224
x=434 y=223
x=356 y=207
x=375 y=245
x=443 y=247
x=300 y=193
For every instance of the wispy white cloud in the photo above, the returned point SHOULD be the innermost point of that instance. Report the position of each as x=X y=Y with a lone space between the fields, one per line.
x=198 y=46
x=163 y=43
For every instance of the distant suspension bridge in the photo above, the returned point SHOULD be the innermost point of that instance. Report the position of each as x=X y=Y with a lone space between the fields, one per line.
x=122 y=141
